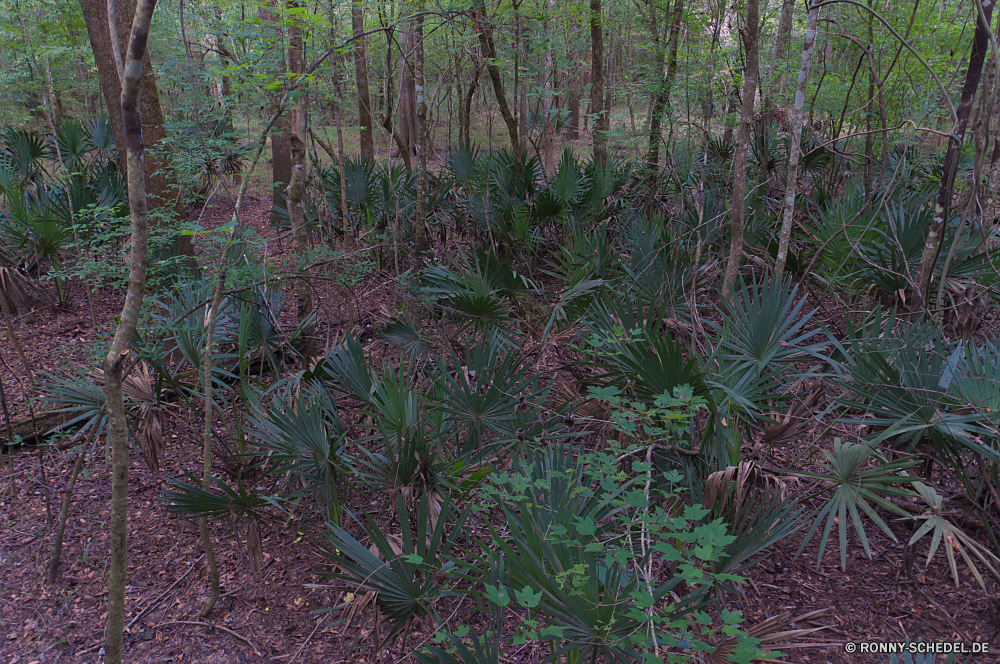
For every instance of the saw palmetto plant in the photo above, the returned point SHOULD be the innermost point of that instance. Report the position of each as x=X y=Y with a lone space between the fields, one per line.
x=856 y=481
x=403 y=569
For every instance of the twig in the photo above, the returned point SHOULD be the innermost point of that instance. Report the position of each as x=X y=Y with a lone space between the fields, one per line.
x=198 y=623
x=296 y=655
x=90 y=649
x=164 y=594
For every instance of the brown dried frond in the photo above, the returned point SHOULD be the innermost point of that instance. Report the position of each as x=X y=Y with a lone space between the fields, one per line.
x=140 y=388
x=12 y=291
x=787 y=428
x=769 y=633
x=736 y=485
x=255 y=548
x=150 y=439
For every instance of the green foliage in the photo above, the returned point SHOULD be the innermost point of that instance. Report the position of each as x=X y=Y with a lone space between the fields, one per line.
x=304 y=443
x=853 y=484
x=954 y=538
x=406 y=569
x=905 y=379
x=203 y=151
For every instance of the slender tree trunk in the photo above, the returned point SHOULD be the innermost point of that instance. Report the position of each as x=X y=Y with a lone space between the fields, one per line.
x=795 y=151
x=459 y=70
x=346 y=222
x=730 y=122
x=662 y=96
x=774 y=85
x=610 y=81
x=281 y=158
x=465 y=112
x=420 y=239
x=520 y=85
x=548 y=129
x=775 y=89
x=485 y=30
x=869 y=138
x=935 y=232
x=161 y=185
x=118 y=354
x=57 y=545
x=573 y=108
x=597 y=80
x=296 y=188
x=361 y=71
x=220 y=46
x=987 y=144
x=406 y=127
x=750 y=39
x=226 y=89
x=16 y=340
x=992 y=186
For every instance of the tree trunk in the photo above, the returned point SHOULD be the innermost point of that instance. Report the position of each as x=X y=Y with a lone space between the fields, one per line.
x=296 y=188
x=730 y=123
x=795 y=151
x=220 y=46
x=520 y=86
x=989 y=148
x=160 y=185
x=346 y=222
x=776 y=72
x=750 y=39
x=548 y=156
x=387 y=115
x=118 y=354
x=489 y=50
x=662 y=97
x=573 y=109
x=935 y=232
x=53 y=571
x=597 y=81
x=406 y=127
x=465 y=112
x=281 y=158
x=361 y=72
x=420 y=221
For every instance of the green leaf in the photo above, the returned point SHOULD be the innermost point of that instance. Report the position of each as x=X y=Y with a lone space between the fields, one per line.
x=527 y=598
x=498 y=596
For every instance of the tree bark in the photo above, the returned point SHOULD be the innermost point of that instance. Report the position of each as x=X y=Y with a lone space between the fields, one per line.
x=53 y=571
x=776 y=71
x=573 y=109
x=750 y=75
x=520 y=86
x=296 y=188
x=795 y=151
x=420 y=222
x=597 y=80
x=548 y=129
x=361 y=73
x=936 y=229
x=220 y=46
x=161 y=184
x=406 y=127
x=281 y=158
x=465 y=112
x=662 y=96
x=114 y=363
x=489 y=50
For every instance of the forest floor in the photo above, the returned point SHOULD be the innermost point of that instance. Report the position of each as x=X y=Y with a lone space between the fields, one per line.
x=274 y=618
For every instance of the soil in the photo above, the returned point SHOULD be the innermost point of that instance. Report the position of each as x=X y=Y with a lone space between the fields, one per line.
x=273 y=617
